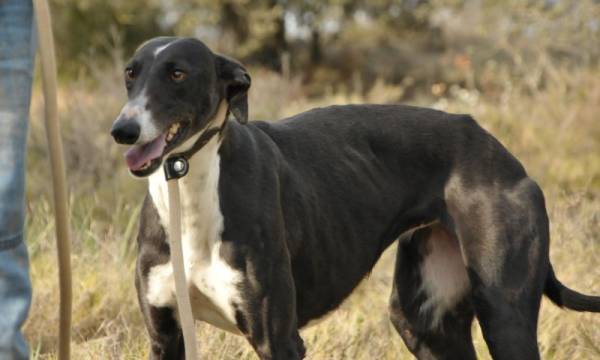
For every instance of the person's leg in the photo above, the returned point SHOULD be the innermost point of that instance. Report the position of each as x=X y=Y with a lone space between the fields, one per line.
x=16 y=70
x=15 y=297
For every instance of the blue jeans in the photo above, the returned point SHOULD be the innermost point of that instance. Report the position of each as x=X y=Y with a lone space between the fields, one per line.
x=17 y=48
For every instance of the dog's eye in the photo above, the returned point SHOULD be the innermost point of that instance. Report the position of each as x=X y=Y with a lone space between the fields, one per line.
x=178 y=75
x=129 y=74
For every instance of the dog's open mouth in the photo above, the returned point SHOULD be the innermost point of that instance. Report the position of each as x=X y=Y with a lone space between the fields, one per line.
x=143 y=159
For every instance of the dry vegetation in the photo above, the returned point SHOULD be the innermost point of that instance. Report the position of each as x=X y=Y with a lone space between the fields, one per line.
x=554 y=131
x=552 y=126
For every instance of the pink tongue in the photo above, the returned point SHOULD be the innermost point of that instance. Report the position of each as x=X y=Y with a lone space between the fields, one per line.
x=138 y=155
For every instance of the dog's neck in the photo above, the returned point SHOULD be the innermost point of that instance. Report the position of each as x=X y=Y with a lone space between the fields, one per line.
x=217 y=121
x=201 y=220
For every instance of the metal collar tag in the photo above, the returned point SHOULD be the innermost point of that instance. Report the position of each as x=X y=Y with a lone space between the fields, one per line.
x=176 y=167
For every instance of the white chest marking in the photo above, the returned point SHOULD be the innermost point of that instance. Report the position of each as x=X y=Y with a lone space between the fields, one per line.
x=213 y=283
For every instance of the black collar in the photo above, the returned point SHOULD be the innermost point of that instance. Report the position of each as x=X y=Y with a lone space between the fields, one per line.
x=177 y=166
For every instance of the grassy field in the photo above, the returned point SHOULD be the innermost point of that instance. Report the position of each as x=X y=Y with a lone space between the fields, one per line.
x=554 y=130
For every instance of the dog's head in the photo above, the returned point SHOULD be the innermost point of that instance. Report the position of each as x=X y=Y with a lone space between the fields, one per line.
x=175 y=87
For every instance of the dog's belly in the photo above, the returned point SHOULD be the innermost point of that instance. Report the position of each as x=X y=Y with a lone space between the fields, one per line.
x=212 y=287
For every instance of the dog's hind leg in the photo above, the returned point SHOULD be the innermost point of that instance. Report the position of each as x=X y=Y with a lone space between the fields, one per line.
x=504 y=239
x=429 y=306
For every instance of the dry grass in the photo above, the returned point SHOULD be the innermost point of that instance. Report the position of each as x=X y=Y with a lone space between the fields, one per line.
x=555 y=131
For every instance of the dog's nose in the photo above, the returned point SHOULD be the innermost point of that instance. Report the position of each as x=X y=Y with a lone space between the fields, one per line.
x=125 y=132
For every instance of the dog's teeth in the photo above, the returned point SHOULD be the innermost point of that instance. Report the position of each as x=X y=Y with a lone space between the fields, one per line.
x=145 y=166
x=172 y=131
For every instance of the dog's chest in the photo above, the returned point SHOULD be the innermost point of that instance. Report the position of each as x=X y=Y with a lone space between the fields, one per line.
x=213 y=284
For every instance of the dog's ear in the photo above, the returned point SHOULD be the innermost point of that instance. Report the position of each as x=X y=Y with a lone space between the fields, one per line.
x=236 y=82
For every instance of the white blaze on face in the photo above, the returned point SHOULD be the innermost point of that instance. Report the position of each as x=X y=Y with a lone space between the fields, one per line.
x=161 y=48
x=137 y=110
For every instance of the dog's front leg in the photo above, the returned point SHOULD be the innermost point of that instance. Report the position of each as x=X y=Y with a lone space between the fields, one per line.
x=166 y=338
x=267 y=316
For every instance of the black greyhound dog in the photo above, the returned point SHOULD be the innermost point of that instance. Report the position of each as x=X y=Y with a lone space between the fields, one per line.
x=282 y=220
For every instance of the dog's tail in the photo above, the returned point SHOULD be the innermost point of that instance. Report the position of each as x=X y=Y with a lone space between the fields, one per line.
x=565 y=297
